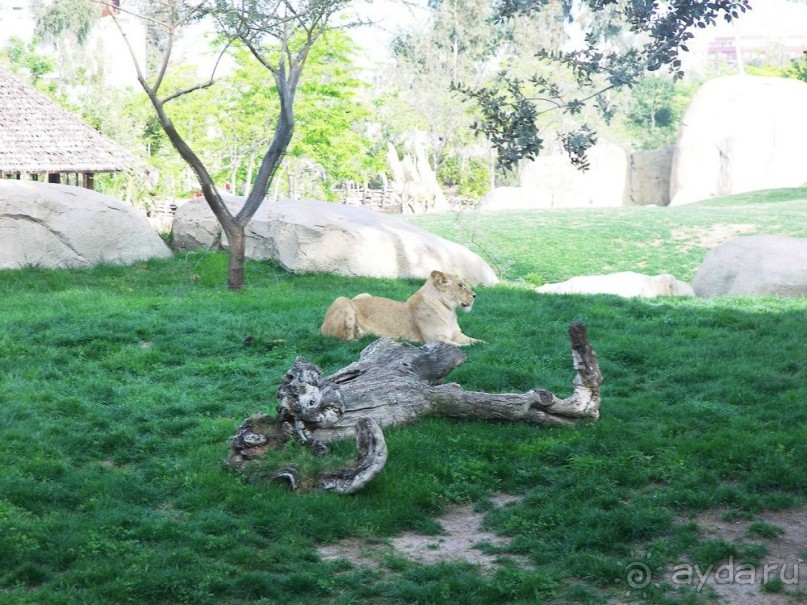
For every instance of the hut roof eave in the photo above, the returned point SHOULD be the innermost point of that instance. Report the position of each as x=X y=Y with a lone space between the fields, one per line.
x=37 y=135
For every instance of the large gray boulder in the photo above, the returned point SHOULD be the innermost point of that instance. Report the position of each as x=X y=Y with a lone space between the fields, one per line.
x=760 y=265
x=49 y=225
x=309 y=237
x=649 y=177
x=559 y=184
x=626 y=284
x=740 y=133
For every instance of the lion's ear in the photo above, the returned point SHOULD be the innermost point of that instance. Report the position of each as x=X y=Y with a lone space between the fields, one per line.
x=440 y=278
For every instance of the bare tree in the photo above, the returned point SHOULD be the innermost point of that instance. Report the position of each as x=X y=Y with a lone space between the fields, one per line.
x=279 y=34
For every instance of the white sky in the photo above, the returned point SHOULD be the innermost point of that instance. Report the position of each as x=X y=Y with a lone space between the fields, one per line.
x=768 y=17
x=388 y=18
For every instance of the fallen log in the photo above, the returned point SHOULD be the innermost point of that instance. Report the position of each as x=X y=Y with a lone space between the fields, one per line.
x=394 y=383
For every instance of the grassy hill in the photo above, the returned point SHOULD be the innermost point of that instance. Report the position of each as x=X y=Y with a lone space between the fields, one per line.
x=120 y=388
x=553 y=245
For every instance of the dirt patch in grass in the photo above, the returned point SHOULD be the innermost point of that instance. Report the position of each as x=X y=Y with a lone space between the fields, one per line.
x=709 y=237
x=779 y=578
x=460 y=540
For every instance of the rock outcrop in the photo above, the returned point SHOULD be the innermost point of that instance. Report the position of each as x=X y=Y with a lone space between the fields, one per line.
x=414 y=182
x=60 y=226
x=739 y=134
x=649 y=177
x=760 y=265
x=310 y=236
x=551 y=181
x=509 y=198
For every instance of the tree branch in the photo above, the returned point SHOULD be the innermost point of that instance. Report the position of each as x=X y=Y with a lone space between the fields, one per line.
x=201 y=85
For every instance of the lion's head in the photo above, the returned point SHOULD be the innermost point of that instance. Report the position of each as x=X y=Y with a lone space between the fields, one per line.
x=453 y=291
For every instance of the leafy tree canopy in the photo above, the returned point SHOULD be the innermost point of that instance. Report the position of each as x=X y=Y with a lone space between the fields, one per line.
x=330 y=114
x=56 y=17
x=654 y=110
x=627 y=39
x=24 y=57
x=798 y=68
x=231 y=125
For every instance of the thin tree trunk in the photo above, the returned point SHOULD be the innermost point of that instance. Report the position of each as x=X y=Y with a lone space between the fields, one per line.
x=236 y=239
x=251 y=163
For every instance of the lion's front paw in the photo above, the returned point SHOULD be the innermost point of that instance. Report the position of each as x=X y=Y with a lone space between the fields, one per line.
x=466 y=341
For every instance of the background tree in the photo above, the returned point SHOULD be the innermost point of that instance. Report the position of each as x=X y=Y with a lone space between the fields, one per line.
x=333 y=119
x=236 y=118
x=798 y=68
x=64 y=26
x=22 y=57
x=653 y=110
x=659 y=32
x=279 y=36
x=454 y=43
x=330 y=115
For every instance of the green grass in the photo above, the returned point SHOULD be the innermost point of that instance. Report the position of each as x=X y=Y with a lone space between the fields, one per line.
x=764 y=530
x=554 y=245
x=120 y=387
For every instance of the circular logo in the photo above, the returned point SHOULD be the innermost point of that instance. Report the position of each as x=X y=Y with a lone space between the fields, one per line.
x=637 y=574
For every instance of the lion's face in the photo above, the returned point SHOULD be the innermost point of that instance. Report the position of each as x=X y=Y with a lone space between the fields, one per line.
x=453 y=291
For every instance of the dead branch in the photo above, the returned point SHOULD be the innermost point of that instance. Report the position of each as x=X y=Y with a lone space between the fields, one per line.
x=395 y=383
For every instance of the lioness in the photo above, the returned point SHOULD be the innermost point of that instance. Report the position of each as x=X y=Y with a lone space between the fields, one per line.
x=427 y=315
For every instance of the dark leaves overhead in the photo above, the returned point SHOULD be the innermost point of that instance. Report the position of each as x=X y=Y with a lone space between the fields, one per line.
x=662 y=31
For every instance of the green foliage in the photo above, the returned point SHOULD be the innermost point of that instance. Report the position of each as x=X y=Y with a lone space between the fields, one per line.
x=798 y=69
x=22 y=57
x=455 y=44
x=775 y=585
x=594 y=241
x=65 y=25
x=195 y=117
x=508 y=119
x=607 y=61
x=761 y=529
x=73 y=17
x=232 y=126
x=767 y=71
x=655 y=109
x=331 y=117
x=713 y=552
x=469 y=179
x=449 y=172
x=119 y=393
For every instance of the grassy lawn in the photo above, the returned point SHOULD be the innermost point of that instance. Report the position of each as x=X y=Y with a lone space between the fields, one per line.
x=553 y=245
x=120 y=388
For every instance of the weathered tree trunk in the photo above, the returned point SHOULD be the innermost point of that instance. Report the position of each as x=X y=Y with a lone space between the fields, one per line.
x=237 y=242
x=393 y=383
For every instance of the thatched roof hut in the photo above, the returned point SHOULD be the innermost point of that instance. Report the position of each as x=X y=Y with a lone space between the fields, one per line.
x=38 y=137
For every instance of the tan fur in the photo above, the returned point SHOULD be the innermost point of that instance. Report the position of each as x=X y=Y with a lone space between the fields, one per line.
x=426 y=316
